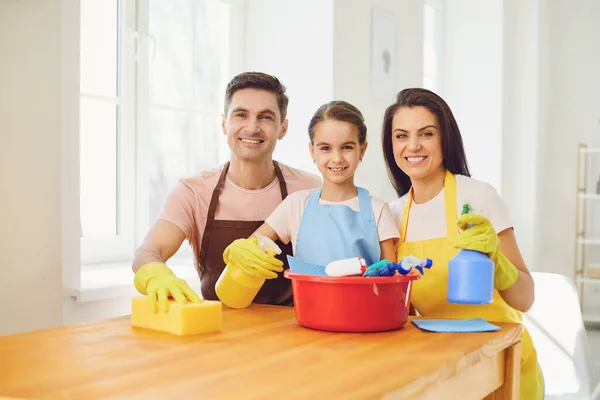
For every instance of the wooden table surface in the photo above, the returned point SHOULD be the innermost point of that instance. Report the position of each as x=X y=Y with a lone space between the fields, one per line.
x=262 y=353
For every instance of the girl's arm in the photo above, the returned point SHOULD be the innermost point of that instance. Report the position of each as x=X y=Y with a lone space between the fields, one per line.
x=521 y=295
x=267 y=231
x=388 y=249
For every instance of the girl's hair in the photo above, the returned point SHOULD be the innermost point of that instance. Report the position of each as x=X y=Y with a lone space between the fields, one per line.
x=339 y=111
x=454 y=159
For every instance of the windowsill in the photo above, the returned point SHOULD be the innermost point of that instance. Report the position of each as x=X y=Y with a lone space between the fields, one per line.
x=115 y=281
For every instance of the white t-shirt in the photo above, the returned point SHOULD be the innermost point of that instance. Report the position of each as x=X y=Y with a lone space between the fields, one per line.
x=285 y=220
x=428 y=220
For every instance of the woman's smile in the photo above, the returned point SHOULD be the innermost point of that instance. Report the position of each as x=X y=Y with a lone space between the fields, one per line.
x=415 y=160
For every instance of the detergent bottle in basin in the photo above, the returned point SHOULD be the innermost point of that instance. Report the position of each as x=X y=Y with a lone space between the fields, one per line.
x=470 y=276
x=235 y=288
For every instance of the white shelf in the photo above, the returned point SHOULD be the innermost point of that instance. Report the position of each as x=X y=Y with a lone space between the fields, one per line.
x=595 y=318
x=588 y=241
x=589 y=196
x=593 y=264
x=589 y=150
x=587 y=280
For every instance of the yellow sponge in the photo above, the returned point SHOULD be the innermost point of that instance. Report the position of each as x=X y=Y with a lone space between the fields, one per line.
x=188 y=319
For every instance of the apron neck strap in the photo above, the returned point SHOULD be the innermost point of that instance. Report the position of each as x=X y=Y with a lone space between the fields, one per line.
x=282 y=184
x=449 y=205
x=214 y=200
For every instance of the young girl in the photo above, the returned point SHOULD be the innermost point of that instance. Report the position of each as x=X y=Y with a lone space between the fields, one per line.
x=338 y=220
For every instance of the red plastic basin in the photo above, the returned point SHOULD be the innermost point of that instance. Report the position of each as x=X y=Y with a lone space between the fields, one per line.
x=351 y=304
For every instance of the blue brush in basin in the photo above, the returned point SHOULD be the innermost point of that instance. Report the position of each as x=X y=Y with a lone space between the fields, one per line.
x=298 y=266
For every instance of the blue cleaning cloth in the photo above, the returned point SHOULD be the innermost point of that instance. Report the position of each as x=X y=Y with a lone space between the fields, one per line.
x=455 y=325
x=300 y=267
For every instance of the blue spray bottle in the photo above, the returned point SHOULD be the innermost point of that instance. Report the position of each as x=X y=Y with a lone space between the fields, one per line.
x=470 y=276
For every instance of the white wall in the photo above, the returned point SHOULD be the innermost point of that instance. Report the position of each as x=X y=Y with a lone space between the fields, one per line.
x=573 y=84
x=293 y=40
x=30 y=227
x=522 y=79
x=352 y=73
x=323 y=52
x=522 y=64
x=473 y=81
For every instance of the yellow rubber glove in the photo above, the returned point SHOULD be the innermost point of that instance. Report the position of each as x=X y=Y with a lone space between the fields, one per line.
x=482 y=237
x=246 y=255
x=159 y=283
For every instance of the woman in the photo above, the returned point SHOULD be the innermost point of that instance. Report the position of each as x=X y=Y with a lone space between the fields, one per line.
x=427 y=165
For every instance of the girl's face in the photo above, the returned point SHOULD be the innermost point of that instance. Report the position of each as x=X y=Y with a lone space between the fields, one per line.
x=336 y=150
x=417 y=142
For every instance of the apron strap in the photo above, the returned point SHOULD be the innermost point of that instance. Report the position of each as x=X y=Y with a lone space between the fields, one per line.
x=449 y=205
x=282 y=184
x=365 y=205
x=405 y=214
x=210 y=216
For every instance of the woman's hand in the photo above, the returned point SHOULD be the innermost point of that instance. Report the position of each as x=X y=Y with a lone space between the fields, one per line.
x=477 y=234
x=511 y=277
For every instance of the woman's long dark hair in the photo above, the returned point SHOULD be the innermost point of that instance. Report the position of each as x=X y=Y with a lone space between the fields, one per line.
x=454 y=159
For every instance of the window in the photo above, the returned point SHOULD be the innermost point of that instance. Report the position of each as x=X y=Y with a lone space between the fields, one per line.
x=153 y=75
x=433 y=45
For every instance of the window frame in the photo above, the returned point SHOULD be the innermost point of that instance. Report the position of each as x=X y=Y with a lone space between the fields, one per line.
x=440 y=7
x=118 y=247
x=136 y=45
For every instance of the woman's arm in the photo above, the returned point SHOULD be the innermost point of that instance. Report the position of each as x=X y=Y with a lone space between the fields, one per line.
x=521 y=295
x=388 y=250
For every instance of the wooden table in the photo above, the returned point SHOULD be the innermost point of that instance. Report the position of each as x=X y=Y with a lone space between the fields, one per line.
x=262 y=353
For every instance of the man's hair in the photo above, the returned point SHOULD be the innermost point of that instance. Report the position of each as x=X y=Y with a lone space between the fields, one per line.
x=258 y=80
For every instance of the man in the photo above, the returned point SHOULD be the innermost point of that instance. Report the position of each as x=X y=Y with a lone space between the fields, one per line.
x=218 y=206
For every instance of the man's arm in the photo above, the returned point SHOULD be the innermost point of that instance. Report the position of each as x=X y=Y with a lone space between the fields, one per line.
x=162 y=241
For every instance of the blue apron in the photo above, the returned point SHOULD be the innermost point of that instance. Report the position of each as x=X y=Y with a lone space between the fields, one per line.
x=334 y=232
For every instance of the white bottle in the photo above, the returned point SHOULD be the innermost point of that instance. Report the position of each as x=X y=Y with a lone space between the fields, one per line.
x=346 y=267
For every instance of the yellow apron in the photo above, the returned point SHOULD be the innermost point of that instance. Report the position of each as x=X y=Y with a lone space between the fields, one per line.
x=429 y=293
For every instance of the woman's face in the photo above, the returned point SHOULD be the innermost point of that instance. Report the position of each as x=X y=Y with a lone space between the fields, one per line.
x=417 y=142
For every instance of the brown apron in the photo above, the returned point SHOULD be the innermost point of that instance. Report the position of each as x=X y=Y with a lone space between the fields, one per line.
x=218 y=234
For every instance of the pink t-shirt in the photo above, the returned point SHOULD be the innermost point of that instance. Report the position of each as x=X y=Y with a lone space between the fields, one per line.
x=187 y=204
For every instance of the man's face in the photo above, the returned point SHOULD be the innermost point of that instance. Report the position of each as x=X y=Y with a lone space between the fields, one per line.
x=253 y=124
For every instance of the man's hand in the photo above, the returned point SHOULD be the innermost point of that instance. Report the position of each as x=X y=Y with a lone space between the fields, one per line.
x=159 y=283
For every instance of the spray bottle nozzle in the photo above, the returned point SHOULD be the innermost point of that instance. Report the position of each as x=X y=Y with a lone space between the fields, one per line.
x=266 y=244
x=465 y=210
